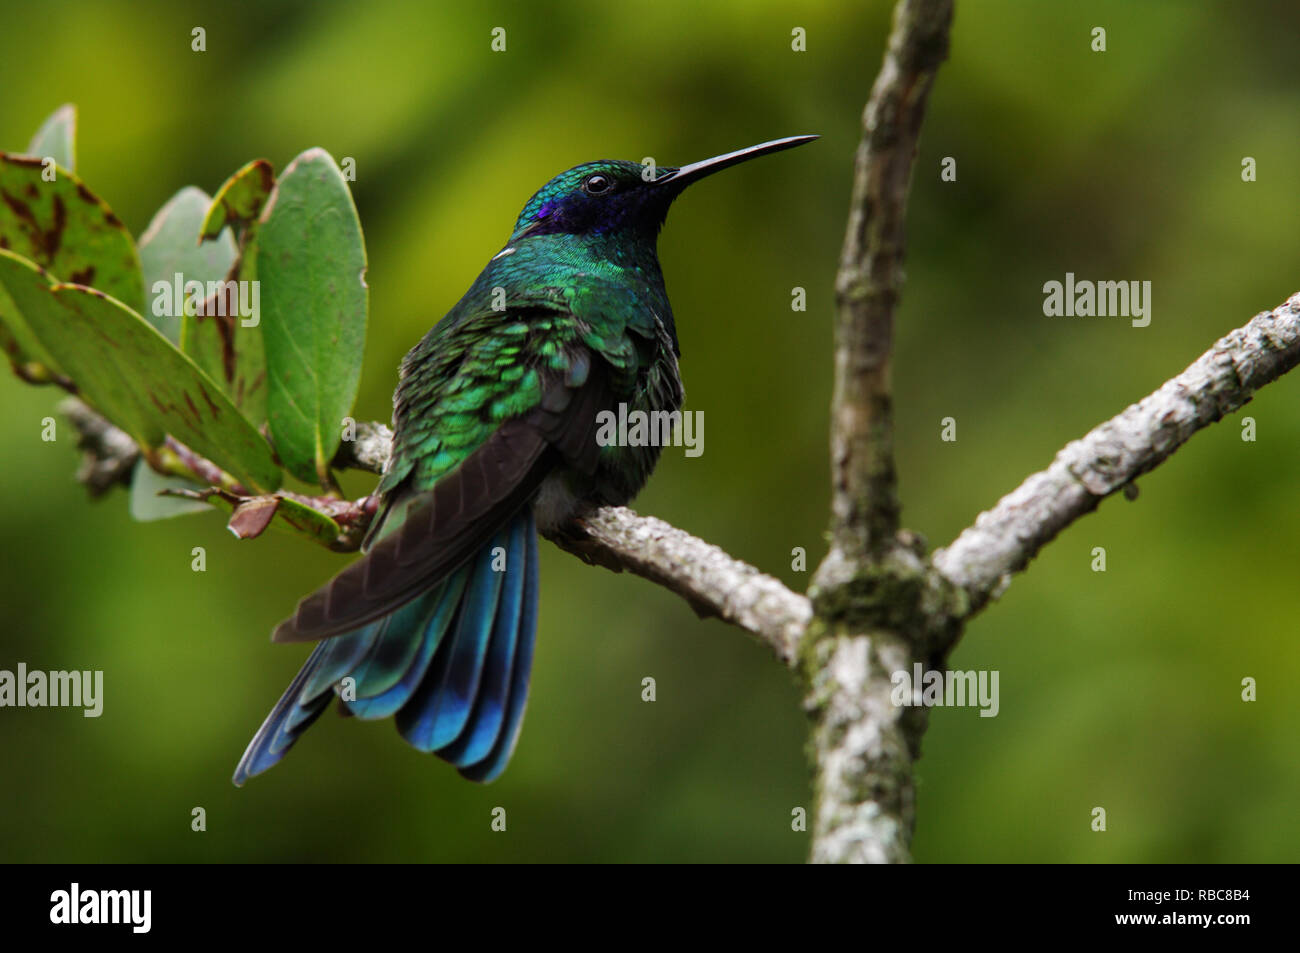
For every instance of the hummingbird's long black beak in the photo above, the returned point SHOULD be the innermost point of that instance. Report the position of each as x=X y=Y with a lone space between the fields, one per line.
x=680 y=178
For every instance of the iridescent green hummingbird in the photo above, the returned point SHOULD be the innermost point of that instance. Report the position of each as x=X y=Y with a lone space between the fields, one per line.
x=495 y=439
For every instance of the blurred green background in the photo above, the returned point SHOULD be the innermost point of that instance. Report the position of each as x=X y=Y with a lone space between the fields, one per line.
x=1118 y=689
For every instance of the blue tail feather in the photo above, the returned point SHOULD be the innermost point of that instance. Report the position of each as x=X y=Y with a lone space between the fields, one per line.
x=440 y=709
x=395 y=647
x=452 y=665
x=490 y=768
x=337 y=658
x=263 y=751
x=476 y=741
x=331 y=661
x=447 y=599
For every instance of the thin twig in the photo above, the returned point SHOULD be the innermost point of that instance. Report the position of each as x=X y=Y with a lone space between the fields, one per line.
x=1112 y=455
x=109 y=454
x=711 y=581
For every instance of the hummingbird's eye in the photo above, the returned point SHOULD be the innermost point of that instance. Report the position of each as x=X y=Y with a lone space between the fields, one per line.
x=597 y=184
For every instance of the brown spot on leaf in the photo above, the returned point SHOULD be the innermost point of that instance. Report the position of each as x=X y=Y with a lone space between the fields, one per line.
x=45 y=243
x=193 y=410
x=216 y=411
x=26 y=220
x=83 y=277
x=221 y=307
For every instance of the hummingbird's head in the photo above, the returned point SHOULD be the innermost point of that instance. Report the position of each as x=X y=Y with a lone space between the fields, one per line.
x=612 y=196
x=601 y=197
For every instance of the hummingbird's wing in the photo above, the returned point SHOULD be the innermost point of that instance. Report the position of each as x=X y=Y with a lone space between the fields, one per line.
x=487 y=408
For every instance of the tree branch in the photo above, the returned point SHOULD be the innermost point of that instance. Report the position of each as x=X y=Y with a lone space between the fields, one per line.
x=864 y=503
x=1004 y=539
x=109 y=453
x=713 y=582
x=873 y=595
x=368 y=450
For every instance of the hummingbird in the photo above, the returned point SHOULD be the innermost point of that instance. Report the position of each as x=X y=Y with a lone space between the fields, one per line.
x=495 y=439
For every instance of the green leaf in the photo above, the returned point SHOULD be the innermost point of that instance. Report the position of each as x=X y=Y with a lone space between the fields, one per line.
x=216 y=340
x=66 y=229
x=170 y=256
x=57 y=138
x=133 y=375
x=61 y=226
x=240 y=198
x=147 y=505
x=228 y=349
x=311 y=262
x=309 y=521
x=21 y=346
